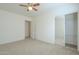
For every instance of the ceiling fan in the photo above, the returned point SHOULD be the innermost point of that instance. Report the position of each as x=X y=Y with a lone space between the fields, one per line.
x=30 y=6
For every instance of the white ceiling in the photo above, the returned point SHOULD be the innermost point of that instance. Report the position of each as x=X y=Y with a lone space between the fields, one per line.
x=44 y=7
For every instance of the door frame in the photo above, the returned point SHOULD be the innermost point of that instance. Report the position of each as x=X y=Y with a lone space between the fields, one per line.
x=29 y=28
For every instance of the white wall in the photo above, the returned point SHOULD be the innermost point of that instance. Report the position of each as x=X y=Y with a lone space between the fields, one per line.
x=40 y=23
x=12 y=27
x=60 y=30
x=71 y=28
x=43 y=28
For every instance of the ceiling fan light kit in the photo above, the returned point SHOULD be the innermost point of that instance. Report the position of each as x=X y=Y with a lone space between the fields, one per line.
x=30 y=8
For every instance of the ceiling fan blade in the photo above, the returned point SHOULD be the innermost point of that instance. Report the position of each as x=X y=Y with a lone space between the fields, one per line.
x=36 y=4
x=23 y=5
x=34 y=9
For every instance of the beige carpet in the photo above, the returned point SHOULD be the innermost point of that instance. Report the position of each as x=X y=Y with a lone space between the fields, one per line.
x=35 y=47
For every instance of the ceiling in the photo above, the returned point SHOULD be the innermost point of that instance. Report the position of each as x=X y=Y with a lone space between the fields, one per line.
x=44 y=7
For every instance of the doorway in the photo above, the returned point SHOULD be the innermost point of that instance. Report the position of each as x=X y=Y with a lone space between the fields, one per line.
x=27 y=29
x=71 y=27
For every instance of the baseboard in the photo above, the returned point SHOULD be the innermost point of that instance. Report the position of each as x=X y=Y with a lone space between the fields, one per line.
x=6 y=42
x=46 y=41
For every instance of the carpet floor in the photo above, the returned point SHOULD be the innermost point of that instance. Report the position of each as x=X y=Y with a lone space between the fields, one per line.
x=35 y=47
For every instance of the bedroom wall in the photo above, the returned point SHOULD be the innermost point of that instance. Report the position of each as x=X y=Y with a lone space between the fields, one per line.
x=12 y=27
x=46 y=20
x=60 y=30
x=43 y=28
